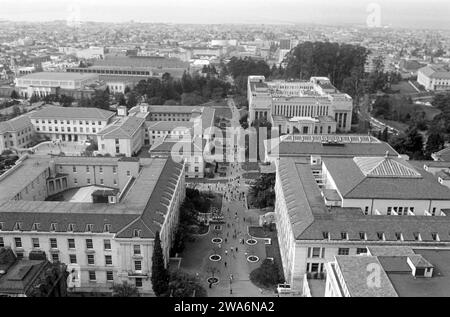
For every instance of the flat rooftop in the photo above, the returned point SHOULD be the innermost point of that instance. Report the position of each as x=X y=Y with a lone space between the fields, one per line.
x=60 y=76
x=143 y=207
x=407 y=285
x=355 y=273
x=14 y=180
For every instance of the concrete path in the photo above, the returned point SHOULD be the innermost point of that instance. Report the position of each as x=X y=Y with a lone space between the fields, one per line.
x=233 y=270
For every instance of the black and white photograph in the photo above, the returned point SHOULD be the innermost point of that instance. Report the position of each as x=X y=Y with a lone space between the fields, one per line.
x=223 y=155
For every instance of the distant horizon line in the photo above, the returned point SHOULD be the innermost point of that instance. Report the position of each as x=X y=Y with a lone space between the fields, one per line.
x=348 y=24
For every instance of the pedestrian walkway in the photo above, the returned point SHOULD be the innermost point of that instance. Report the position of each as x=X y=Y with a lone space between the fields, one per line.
x=234 y=277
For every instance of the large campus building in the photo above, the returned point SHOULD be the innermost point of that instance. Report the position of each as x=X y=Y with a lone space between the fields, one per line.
x=16 y=133
x=98 y=215
x=134 y=66
x=53 y=83
x=434 y=77
x=333 y=200
x=190 y=126
x=300 y=107
x=70 y=124
x=124 y=135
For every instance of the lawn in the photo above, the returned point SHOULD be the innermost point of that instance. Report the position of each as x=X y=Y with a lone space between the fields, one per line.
x=404 y=88
x=273 y=249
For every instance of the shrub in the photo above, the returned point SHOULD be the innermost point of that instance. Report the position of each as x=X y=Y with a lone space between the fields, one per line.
x=267 y=275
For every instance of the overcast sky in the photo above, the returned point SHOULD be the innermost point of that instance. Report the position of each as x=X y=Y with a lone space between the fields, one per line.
x=397 y=13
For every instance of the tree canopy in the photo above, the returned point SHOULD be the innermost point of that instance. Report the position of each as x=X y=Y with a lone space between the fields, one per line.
x=160 y=275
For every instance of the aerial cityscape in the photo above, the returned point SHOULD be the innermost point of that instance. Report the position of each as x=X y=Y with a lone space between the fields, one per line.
x=203 y=150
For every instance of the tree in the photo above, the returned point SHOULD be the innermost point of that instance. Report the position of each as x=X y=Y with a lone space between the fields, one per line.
x=267 y=275
x=16 y=111
x=192 y=99
x=125 y=290
x=14 y=95
x=53 y=283
x=244 y=121
x=184 y=285
x=132 y=100
x=262 y=191
x=100 y=100
x=34 y=98
x=382 y=107
x=435 y=143
x=120 y=99
x=66 y=101
x=409 y=143
x=160 y=275
x=339 y=62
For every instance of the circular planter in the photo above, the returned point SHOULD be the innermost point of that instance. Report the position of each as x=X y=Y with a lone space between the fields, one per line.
x=217 y=240
x=252 y=259
x=213 y=280
x=251 y=242
x=215 y=258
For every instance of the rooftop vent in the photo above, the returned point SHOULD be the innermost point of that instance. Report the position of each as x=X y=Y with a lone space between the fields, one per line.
x=420 y=266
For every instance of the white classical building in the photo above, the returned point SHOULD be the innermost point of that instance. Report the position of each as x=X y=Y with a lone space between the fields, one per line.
x=339 y=205
x=16 y=133
x=300 y=107
x=434 y=77
x=107 y=238
x=124 y=135
x=47 y=83
x=70 y=124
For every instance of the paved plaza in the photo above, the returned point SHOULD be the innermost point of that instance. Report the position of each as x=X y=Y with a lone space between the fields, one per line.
x=233 y=269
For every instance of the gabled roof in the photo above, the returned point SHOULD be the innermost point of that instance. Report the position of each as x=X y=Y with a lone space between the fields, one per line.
x=435 y=71
x=71 y=113
x=352 y=183
x=443 y=155
x=152 y=218
x=143 y=208
x=16 y=124
x=310 y=218
x=384 y=167
x=124 y=128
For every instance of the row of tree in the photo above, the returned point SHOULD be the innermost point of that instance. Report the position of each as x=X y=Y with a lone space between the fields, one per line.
x=189 y=90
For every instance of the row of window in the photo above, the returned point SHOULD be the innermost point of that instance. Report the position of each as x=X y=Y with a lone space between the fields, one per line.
x=318 y=252
x=88 y=181
x=18 y=226
x=80 y=122
x=75 y=130
x=301 y=111
x=100 y=169
x=110 y=278
x=108 y=71
x=35 y=242
x=382 y=237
